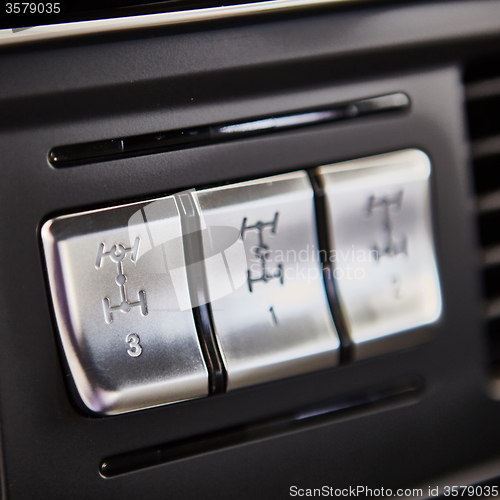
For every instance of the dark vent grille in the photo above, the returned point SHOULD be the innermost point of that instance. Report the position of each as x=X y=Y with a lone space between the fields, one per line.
x=482 y=80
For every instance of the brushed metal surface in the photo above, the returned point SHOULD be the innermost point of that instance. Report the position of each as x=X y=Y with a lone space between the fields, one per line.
x=119 y=289
x=271 y=313
x=382 y=248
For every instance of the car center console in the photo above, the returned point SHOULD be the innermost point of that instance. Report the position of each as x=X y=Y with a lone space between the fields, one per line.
x=240 y=257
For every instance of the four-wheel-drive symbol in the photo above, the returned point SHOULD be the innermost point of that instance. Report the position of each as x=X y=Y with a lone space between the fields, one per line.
x=117 y=254
x=262 y=251
x=391 y=247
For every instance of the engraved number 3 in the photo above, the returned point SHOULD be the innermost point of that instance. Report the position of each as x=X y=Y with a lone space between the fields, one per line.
x=135 y=348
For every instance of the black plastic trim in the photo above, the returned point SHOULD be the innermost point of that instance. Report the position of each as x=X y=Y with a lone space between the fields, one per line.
x=396 y=393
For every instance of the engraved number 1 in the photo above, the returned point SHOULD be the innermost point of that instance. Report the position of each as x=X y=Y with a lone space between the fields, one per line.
x=135 y=348
x=274 y=320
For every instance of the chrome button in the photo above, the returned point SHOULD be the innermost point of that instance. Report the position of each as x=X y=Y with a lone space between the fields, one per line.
x=270 y=309
x=121 y=300
x=382 y=249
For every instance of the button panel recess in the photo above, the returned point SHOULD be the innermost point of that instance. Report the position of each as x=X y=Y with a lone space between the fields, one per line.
x=138 y=290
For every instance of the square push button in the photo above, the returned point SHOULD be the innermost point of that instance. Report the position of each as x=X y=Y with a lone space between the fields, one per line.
x=382 y=250
x=268 y=299
x=120 y=294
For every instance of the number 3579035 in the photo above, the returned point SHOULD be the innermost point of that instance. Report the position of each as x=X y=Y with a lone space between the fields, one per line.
x=32 y=8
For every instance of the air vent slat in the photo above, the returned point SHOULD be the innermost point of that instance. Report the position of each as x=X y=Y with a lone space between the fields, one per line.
x=483 y=108
x=483 y=89
x=491 y=256
x=493 y=309
x=489 y=202
x=486 y=147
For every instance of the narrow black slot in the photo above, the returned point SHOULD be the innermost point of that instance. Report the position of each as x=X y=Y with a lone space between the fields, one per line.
x=67 y=154
x=275 y=124
x=400 y=392
x=193 y=249
x=165 y=140
x=125 y=147
x=346 y=351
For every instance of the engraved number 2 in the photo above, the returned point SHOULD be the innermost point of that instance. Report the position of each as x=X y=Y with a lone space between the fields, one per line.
x=398 y=283
x=135 y=348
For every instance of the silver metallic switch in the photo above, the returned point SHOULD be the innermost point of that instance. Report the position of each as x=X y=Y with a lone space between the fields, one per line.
x=120 y=294
x=382 y=248
x=269 y=304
